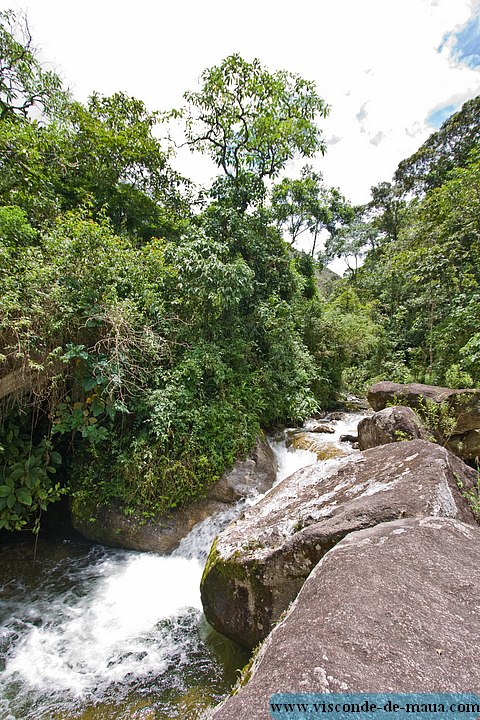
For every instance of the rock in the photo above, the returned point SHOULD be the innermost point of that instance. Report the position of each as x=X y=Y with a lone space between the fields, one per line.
x=465 y=403
x=248 y=477
x=318 y=428
x=310 y=441
x=110 y=526
x=350 y=439
x=466 y=446
x=391 y=425
x=258 y=564
x=336 y=416
x=355 y=403
x=390 y=609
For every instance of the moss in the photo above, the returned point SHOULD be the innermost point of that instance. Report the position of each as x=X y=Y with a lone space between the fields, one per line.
x=236 y=599
x=246 y=672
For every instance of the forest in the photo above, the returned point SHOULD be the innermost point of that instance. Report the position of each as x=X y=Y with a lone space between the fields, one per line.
x=151 y=329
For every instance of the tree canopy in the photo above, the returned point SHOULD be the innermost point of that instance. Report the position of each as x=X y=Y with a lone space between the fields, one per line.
x=24 y=83
x=252 y=121
x=446 y=149
x=150 y=340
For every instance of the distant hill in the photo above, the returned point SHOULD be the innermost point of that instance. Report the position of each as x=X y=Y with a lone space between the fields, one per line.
x=326 y=280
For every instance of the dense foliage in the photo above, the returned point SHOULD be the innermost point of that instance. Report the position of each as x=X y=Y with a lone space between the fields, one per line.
x=145 y=343
x=421 y=253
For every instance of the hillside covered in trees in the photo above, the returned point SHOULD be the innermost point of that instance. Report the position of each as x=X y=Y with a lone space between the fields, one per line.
x=149 y=330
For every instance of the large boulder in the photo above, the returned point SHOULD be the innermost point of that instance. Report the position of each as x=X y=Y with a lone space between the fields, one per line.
x=464 y=403
x=391 y=425
x=258 y=564
x=390 y=609
x=109 y=525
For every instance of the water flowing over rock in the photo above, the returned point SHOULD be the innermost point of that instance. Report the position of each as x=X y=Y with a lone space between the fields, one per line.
x=259 y=563
x=391 y=425
x=110 y=526
x=390 y=609
x=313 y=442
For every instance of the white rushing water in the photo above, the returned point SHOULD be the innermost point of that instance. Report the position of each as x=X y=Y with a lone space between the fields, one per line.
x=124 y=615
x=101 y=618
x=289 y=460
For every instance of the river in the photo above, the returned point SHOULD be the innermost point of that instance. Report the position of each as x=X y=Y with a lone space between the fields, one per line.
x=94 y=633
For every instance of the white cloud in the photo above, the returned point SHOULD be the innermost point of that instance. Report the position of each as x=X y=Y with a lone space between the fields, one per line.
x=377 y=55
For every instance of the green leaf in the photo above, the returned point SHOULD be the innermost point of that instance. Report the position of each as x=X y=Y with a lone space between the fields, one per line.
x=88 y=383
x=4 y=491
x=24 y=496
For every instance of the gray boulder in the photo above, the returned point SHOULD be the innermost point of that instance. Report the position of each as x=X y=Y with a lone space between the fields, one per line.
x=391 y=425
x=464 y=403
x=109 y=525
x=258 y=564
x=390 y=609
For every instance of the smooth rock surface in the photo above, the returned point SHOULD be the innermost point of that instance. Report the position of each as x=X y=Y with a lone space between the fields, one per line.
x=465 y=403
x=258 y=563
x=394 y=608
x=110 y=526
x=391 y=425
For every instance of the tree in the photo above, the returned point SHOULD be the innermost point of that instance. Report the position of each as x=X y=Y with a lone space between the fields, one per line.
x=350 y=243
x=293 y=202
x=24 y=84
x=387 y=210
x=103 y=155
x=114 y=160
x=307 y=205
x=251 y=121
x=444 y=150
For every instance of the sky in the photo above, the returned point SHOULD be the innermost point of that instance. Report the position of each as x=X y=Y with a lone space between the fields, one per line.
x=391 y=70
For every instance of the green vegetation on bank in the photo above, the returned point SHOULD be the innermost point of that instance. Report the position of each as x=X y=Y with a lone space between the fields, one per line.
x=149 y=331
x=419 y=240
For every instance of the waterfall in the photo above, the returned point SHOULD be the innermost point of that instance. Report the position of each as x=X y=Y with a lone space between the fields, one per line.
x=87 y=626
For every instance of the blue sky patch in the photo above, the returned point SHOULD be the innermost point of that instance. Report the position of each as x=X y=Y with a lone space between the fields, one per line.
x=466 y=42
x=437 y=117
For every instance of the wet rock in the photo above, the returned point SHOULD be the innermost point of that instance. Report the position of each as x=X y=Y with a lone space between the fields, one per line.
x=321 y=428
x=310 y=441
x=110 y=526
x=349 y=438
x=355 y=403
x=248 y=477
x=259 y=563
x=336 y=416
x=391 y=425
x=390 y=609
x=464 y=403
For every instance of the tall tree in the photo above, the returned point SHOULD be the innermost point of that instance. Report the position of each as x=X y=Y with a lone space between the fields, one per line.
x=251 y=121
x=386 y=210
x=24 y=83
